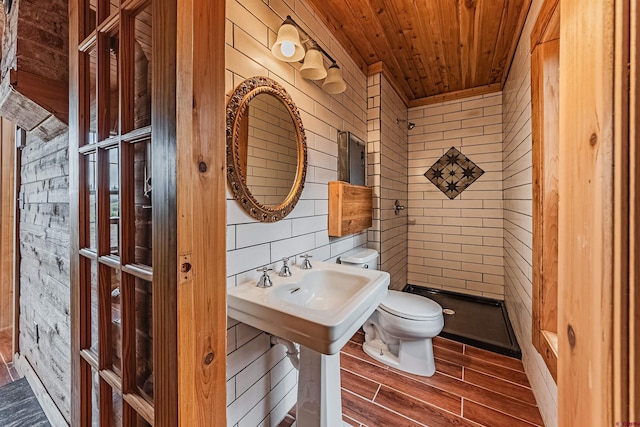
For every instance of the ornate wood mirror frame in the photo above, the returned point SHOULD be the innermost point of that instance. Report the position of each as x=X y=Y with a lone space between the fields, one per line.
x=237 y=107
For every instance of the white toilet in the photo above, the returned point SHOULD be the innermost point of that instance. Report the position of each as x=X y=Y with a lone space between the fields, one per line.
x=399 y=332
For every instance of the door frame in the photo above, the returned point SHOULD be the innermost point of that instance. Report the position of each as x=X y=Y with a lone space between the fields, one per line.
x=596 y=221
x=9 y=222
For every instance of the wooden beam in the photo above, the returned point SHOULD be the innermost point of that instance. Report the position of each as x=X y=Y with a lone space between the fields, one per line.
x=52 y=95
x=460 y=94
x=586 y=245
x=201 y=217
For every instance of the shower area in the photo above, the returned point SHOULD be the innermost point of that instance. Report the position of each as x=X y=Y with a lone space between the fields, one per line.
x=442 y=165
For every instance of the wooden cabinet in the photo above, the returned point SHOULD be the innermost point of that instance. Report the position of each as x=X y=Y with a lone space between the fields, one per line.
x=350 y=208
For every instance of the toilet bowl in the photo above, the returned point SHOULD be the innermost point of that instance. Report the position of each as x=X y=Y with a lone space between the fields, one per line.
x=399 y=332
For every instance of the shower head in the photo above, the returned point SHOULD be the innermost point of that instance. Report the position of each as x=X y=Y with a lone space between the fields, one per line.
x=410 y=125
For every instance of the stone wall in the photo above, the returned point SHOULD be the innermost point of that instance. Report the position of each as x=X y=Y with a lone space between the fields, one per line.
x=44 y=264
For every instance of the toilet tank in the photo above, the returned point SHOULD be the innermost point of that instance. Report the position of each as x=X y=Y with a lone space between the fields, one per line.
x=361 y=257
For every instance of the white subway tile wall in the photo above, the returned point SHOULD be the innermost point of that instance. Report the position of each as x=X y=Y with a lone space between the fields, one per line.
x=457 y=244
x=261 y=382
x=387 y=174
x=518 y=219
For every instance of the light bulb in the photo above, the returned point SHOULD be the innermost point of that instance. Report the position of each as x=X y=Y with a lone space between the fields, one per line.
x=288 y=49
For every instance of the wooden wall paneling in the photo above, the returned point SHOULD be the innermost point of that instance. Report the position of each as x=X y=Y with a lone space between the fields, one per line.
x=469 y=49
x=514 y=17
x=430 y=47
x=400 y=15
x=201 y=229
x=441 y=29
x=382 y=44
x=328 y=15
x=586 y=250
x=7 y=220
x=164 y=214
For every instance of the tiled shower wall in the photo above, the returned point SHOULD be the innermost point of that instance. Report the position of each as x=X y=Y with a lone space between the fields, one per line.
x=261 y=383
x=387 y=173
x=457 y=244
x=518 y=219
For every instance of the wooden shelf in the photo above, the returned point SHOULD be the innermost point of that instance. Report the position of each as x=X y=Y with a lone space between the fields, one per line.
x=350 y=208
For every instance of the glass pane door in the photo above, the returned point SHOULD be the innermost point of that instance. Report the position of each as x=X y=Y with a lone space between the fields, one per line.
x=114 y=201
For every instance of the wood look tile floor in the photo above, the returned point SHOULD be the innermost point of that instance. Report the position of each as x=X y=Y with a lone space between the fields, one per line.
x=471 y=387
x=8 y=372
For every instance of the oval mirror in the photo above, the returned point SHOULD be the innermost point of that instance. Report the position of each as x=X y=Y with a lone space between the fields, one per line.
x=266 y=149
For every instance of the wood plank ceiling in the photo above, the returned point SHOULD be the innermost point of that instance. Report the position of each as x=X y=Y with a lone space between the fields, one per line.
x=429 y=48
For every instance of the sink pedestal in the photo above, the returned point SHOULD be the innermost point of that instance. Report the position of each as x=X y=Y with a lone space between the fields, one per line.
x=319 y=400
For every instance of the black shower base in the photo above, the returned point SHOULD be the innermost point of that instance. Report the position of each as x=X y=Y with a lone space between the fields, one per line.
x=478 y=321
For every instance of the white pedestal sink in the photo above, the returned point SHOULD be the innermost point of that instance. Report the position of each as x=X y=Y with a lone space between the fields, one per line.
x=320 y=309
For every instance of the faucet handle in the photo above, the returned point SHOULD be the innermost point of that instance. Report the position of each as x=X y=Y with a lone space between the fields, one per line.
x=265 y=280
x=306 y=264
x=285 y=271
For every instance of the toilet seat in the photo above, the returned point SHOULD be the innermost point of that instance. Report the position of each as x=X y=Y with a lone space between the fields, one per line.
x=410 y=306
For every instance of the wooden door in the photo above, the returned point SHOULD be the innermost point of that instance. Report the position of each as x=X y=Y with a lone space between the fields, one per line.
x=111 y=202
x=148 y=281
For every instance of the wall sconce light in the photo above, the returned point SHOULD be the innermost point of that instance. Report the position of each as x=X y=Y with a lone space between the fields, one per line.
x=313 y=66
x=333 y=83
x=290 y=48
x=287 y=46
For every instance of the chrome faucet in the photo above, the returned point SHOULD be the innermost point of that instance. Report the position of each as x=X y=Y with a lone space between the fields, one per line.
x=306 y=264
x=265 y=280
x=285 y=271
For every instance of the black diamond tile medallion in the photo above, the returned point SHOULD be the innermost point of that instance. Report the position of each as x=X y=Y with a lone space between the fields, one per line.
x=453 y=173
